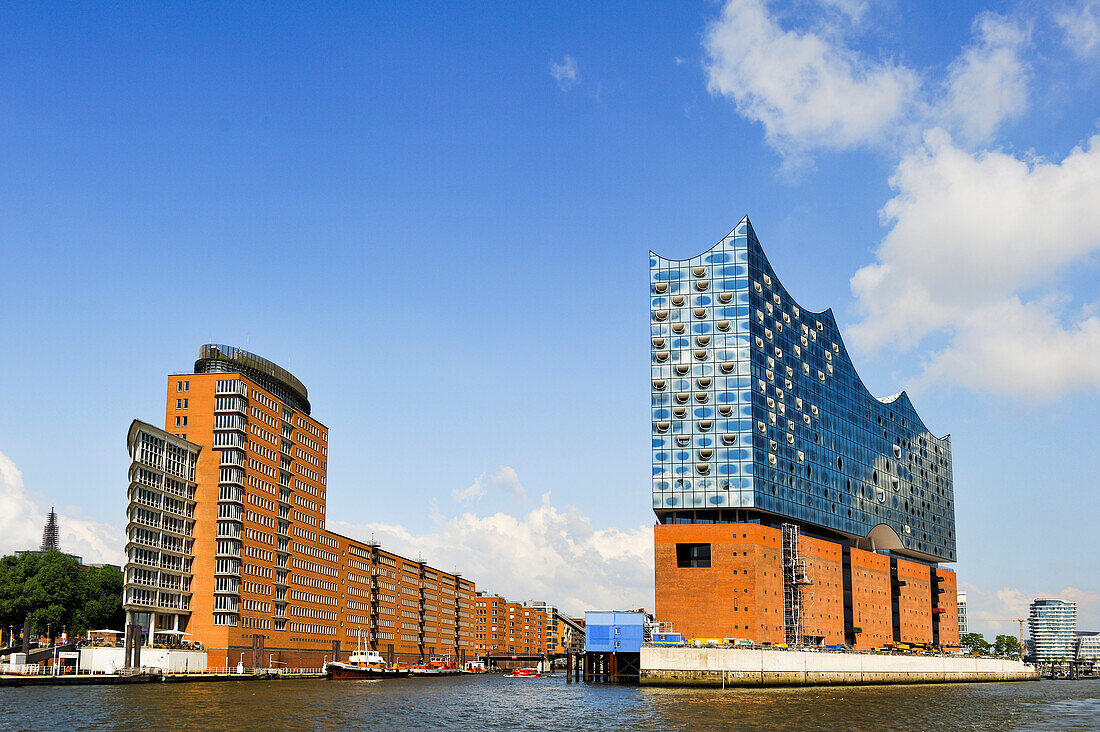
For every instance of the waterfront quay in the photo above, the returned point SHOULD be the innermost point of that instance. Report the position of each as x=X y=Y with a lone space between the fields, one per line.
x=731 y=667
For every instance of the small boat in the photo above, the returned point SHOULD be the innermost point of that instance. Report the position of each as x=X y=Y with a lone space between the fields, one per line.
x=525 y=673
x=474 y=667
x=436 y=666
x=363 y=664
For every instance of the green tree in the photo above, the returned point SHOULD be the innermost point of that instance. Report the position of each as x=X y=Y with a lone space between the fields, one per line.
x=1006 y=645
x=975 y=643
x=102 y=607
x=54 y=594
x=54 y=591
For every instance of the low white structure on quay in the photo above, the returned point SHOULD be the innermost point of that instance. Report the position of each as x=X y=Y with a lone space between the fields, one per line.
x=690 y=666
x=107 y=660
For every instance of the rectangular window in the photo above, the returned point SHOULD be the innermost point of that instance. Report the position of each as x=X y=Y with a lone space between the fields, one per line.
x=179 y=403
x=185 y=404
x=693 y=555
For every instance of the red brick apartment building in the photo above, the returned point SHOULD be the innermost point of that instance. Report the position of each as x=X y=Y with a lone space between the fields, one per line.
x=232 y=549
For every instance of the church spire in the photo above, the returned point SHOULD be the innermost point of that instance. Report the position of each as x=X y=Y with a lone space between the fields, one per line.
x=51 y=534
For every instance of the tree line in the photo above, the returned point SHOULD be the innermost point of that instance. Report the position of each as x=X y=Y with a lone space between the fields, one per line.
x=1002 y=645
x=56 y=592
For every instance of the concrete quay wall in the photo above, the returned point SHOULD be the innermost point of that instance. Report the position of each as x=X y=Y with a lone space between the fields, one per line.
x=685 y=666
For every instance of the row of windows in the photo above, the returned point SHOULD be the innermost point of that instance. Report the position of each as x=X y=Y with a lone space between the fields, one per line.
x=305 y=518
x=265 y=400
x=256 y=588
x=312 y=597
x=316 y=582
x=261 y=432
x=296 y=627
x=260 y=518
x=305 y=503
x=261 y=536
x=308 y=472
x=261 y=484
x=314 y=567
x=256 y=464
x=262 y=450
x=310 y=428
x=256 y=570
x=255 y=552
x=311 y=612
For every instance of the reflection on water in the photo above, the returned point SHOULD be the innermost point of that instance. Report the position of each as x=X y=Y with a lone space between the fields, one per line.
x=493 y=702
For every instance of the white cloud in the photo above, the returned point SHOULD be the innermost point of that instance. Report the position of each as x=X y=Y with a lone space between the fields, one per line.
x=853 y=10
x=22 y=519
x=975 y=246
x=806 y=91
x=1081 y=28
x=505 y=480
x=550 y=553
x=987 y=84
x=811 y=91
x=471 y=492
x=565 y=73
x=1013 y=602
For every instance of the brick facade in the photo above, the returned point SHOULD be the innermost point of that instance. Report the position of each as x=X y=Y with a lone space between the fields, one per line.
x=740 y=594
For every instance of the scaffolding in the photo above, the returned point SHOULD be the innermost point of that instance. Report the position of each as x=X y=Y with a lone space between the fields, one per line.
x=795 y=577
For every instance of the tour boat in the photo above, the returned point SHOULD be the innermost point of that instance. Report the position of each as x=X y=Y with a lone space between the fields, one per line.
x=363 y=664
x=525 y=673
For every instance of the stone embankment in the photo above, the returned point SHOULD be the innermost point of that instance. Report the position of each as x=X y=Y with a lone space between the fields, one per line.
x=685 y=666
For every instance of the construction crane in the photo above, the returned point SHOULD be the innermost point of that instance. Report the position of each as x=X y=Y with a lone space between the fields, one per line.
x=1009 y=620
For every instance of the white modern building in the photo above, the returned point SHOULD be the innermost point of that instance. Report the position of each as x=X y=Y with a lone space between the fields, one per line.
x=1088 y=647
x=159 y=536
x=1052 y=624
x=960 y=599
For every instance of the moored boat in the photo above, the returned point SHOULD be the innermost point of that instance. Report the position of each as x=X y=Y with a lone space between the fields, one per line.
x=525 y=673
x=363 y=664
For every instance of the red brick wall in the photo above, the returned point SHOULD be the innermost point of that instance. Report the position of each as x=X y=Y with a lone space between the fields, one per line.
x=739 y=596
x=948 y=600
x=871 y=608
x=823 y=599
x=915 y=602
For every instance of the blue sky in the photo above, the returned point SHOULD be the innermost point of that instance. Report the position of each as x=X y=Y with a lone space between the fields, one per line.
x=439 y=219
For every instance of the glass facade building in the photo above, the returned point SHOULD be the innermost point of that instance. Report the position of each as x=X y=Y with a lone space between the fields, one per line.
x=1052 y=625
x=758 y=415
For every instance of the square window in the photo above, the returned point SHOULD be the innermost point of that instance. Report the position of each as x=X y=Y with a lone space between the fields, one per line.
x=693 y=555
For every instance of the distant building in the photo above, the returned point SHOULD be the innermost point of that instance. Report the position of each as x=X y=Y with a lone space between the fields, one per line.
x=554 y=629
x=579 y=636
x=1088 y=646
x=960 y=601
x=1052 y=624
x=51 y=539
x=508 y=628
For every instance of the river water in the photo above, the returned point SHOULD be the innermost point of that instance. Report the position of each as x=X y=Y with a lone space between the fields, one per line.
x=492 y=702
